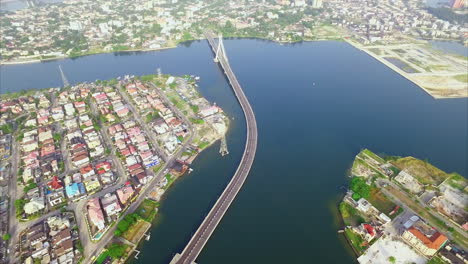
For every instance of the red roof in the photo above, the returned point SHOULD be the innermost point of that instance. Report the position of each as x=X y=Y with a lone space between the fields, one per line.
x=434 y=242
x=86 y=169
x=55 y=183
x=369 y=229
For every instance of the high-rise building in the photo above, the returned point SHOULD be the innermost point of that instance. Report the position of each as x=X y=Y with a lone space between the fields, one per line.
x=316 y=3
x=459 y=4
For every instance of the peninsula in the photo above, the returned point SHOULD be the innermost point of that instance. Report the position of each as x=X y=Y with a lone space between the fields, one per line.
x=87 y=164
x=404 y=210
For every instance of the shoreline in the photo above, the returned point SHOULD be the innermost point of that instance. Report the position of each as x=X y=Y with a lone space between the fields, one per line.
x=19 y=62
x=401 y=72
x=433 y=92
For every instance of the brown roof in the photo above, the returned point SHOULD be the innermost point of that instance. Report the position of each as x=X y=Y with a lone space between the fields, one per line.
x=434 y=242
x=64 y=247
x=64 y=234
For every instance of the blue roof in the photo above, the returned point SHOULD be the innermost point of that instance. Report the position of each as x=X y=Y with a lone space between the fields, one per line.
x=82 y=188
x=72 y=190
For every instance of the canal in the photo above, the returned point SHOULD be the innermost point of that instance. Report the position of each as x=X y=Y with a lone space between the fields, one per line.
x=317 y=105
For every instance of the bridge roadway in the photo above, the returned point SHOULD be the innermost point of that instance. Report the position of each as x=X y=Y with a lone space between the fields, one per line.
x=199 y=239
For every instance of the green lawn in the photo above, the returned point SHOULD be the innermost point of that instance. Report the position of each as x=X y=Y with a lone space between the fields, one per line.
x=203 y=145
x=170 y=179
x=373 y=155
x=147 y=209
x=461 y=78
x=102 y=257
x=356 y=241
x=350 y=215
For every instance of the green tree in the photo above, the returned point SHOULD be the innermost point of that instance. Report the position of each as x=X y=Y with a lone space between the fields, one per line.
x=359 y=186
x=6 y=237
x=116 y=251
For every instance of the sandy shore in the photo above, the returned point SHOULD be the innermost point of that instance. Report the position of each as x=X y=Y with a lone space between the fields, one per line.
x=437 y=85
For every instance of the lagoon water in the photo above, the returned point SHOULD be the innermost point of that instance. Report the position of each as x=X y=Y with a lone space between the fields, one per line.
x=317 y=105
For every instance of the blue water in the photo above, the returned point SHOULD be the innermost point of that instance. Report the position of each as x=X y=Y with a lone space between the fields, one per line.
x=317 y=105
x=450 y=47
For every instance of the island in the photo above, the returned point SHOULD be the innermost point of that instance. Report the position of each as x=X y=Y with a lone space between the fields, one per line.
x=88 y=164
x=404 y=210
x=396 y=34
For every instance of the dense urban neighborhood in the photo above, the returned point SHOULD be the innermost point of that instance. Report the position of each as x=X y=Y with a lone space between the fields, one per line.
x=394 y=32
x=74 y=28
x=83 y=168
x=404 y=210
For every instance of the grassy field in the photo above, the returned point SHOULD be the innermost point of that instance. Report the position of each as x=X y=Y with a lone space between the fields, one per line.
x=147 y=209
x=136 y=231
x=457 y=181
x=373 y=155
x=462 y=78
x=170 y=179
x=380 y=201
x=424 y=172
x=356 y=241
x=350 y=215
x=102 y=257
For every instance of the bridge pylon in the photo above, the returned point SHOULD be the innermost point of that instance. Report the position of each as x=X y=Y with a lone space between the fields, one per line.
x=223 y=149
x=64 y=78
x=220 y=51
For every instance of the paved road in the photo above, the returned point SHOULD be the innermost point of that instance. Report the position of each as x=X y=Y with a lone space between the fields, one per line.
x=13 y=193
x=397 y=200
x=93 y=249
x=143 y=124
x=199 y=239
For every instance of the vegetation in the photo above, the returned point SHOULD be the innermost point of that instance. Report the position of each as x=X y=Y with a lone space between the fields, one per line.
x=373 y=155
x=151 y=116
x=195 y=108
x=125 y=223
x=350 y=215
x=197 y=120
x=6 y=237
x=57 y=137
x=457 y=181
x=116 y=250
x=7 y=128
x=147 y=210
x=462 y=78
x=19 y=205
x=203 y=145
x=170 y=179
x=380 y=201
x=356 y=240
x=392 y=259
x=102 y=257
x=30 y=186
x=423 y=171
x=360 y=188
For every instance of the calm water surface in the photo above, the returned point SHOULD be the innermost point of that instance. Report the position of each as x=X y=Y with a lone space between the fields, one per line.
x=317 y=104
x=450 y=47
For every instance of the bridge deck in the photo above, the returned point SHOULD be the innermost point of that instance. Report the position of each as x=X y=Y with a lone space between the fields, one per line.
x=201 y=236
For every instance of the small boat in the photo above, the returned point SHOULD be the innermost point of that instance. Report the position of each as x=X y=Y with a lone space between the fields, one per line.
x=147 y=238
x=190 y=170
